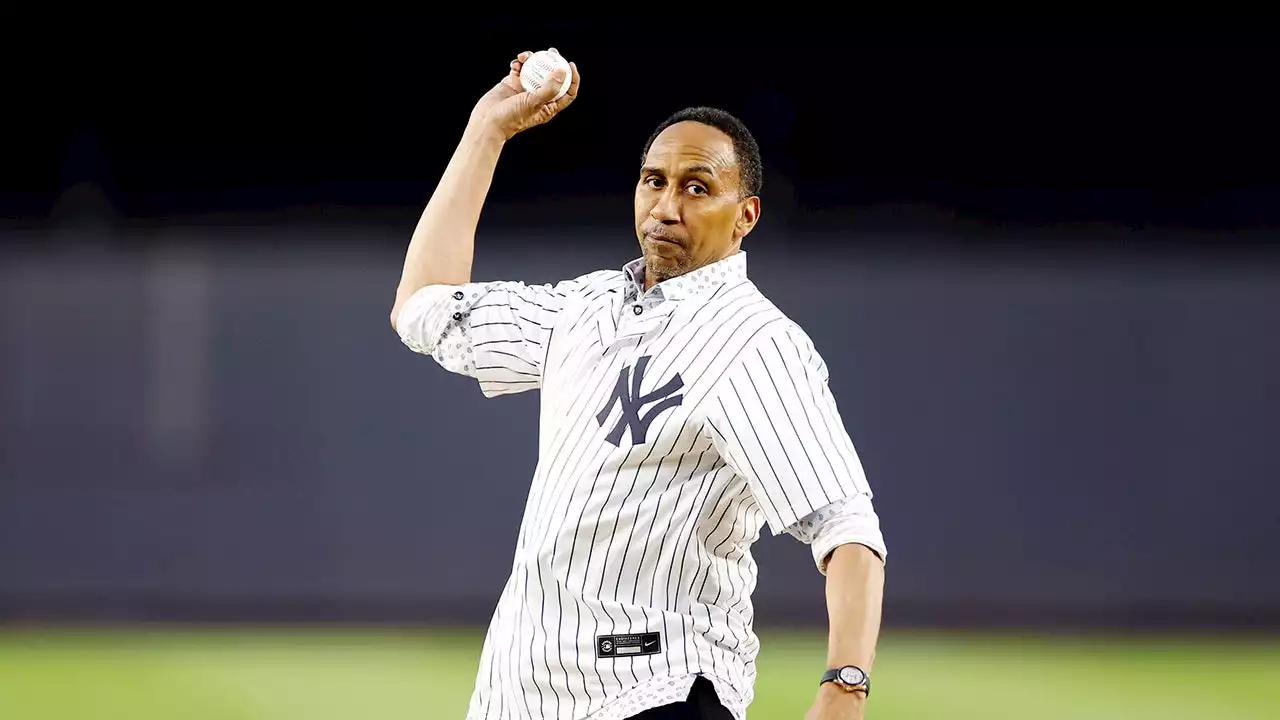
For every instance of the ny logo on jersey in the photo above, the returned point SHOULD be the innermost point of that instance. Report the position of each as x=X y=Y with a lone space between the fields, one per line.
x=628 y=395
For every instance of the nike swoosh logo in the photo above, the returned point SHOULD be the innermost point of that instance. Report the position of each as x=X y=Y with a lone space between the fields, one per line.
x=652 y=642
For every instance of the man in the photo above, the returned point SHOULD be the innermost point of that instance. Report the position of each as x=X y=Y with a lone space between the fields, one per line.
x=680 y=412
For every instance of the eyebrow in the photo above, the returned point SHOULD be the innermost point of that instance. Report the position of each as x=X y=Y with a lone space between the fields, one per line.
x=688 y=170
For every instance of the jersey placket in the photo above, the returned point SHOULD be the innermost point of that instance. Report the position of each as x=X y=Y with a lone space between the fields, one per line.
x=640 y=317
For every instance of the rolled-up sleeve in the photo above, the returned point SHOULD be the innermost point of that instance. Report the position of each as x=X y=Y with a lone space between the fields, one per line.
x=495 y=332
x=851 y=520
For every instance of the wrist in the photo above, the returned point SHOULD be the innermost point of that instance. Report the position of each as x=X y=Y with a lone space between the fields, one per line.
x=834 y=693
x=486 y=132
x=848 y=679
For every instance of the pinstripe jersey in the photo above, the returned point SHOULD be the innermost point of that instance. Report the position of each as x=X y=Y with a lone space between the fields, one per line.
x=674 y=425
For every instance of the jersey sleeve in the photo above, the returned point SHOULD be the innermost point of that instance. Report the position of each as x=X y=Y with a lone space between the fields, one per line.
x=495 y=332
x=774 y=420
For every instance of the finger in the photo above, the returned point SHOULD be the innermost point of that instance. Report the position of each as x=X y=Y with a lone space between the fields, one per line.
x=572 y=93
x=520 y=61
x=573 y=84
x=547 y=92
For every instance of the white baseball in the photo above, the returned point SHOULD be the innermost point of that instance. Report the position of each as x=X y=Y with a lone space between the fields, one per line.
x=537 y=70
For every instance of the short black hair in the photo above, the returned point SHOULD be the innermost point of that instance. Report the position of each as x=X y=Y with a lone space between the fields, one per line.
x=745 y=149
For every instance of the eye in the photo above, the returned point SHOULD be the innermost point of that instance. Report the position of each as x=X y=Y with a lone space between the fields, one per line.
x=653 y=182
x=697 y=189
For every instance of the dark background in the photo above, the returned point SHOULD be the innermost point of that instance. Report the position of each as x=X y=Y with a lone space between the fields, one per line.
x=1042 y=265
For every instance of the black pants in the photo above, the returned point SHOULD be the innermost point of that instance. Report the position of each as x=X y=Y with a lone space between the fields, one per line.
x=702 y=704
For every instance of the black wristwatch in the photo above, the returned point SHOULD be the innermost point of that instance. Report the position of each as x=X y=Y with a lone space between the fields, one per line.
x=850 y=677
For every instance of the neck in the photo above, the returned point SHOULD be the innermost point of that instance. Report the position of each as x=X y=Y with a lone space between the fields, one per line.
x=649 y=280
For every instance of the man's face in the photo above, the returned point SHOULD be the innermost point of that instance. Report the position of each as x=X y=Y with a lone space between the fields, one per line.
x=689 y=211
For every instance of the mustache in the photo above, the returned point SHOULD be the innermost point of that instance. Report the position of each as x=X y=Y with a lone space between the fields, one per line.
x=662 y=233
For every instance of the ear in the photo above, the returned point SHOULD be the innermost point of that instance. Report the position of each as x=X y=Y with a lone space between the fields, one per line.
x=748 y=216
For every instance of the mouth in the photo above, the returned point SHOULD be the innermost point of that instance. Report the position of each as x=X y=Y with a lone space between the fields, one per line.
x=663 y=239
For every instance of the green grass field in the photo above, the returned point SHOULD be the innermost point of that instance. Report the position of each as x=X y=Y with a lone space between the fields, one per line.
x=401 y=674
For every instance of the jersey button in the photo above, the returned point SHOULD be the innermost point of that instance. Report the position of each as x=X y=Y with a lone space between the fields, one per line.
x=637 y=309
x=458 y=295
x=457 y=317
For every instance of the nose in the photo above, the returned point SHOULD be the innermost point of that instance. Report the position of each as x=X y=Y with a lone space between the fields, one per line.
x=667 y=209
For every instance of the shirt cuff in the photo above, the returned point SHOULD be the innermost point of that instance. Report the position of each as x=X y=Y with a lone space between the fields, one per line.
x=425 y=317
x=851 y=520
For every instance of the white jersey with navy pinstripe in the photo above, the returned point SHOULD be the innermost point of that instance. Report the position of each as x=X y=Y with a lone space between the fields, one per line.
x=674 y=424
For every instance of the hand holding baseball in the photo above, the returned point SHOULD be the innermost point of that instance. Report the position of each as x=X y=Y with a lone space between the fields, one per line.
x=511 y=109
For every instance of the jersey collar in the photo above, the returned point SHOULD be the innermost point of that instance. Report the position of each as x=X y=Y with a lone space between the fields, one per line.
x=698 y=283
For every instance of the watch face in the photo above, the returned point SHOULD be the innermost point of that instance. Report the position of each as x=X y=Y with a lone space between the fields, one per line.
x=851 y=676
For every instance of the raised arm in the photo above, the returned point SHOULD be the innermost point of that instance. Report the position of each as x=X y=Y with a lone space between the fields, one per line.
x=443 y=243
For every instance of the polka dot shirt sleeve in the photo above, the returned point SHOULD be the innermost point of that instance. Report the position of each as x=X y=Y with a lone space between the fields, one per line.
x=495 y=332
x=848 y=520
